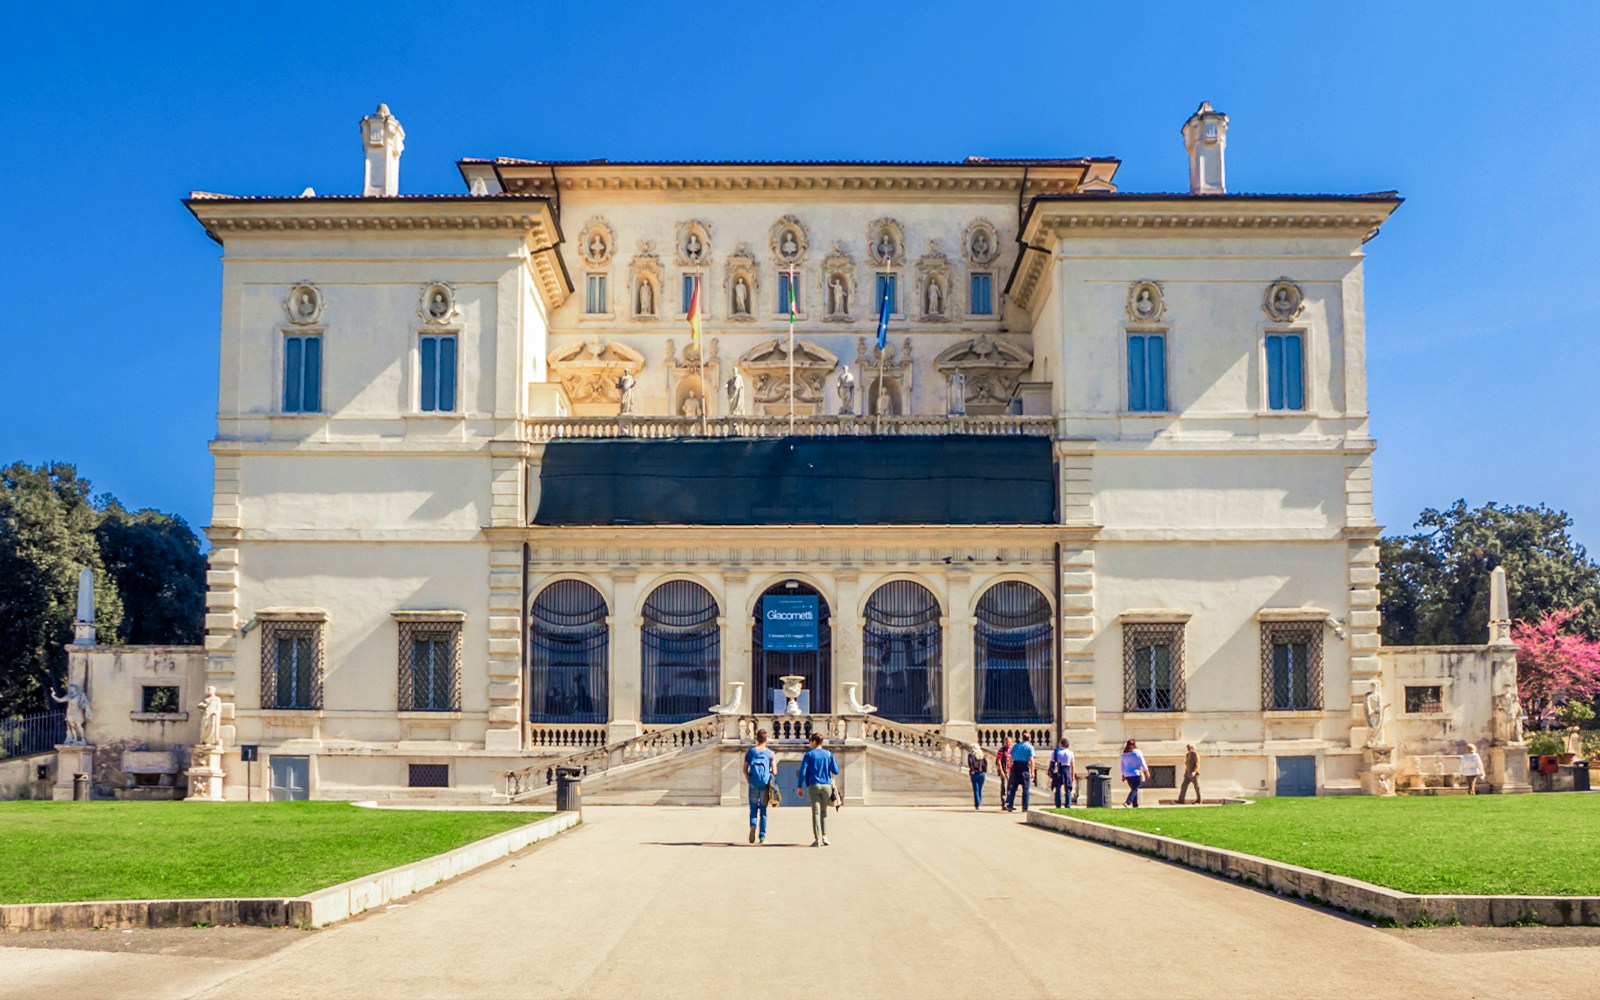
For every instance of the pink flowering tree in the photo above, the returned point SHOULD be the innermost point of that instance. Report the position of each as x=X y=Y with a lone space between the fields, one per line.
x=1554 y=667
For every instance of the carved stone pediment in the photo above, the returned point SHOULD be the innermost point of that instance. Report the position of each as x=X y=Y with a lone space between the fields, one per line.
x=767 y=367
x=933 y=285
x=990 y=369
x=596 y=243
x=688 y=377
x=790 y=242
x=588 y=371
x=741 y=282
x=644 y=282
x=838 y=286
x=694 y=243
x=886 y=243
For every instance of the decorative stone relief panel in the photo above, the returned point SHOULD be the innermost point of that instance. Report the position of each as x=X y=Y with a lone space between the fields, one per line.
x=768 y=365
x=839 y=286
x=933 y=284
x=740 y=280
x=886 y=376
x=1283 y=300
x=644 y=282
x=1145 y=302
x=438 y=304
x=304 y=304
x=790 y=242
x=596 y=242
x=693 y=387
x=694 y=244
x=981 y=243
x=990 y=371
x=589 y=371
x=886 y=243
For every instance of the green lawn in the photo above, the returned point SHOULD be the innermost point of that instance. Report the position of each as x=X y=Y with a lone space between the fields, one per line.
x=63 y=851
x=1487 y=844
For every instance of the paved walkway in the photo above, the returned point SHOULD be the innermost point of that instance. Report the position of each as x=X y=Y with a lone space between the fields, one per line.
x=671 y=902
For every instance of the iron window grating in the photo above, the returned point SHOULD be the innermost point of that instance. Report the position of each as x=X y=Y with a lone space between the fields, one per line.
x=411 y=632
x=1277 y=694
x=1163 y=776
x=1144 y=635
x=1424 y=698
x=428 y=776
x=271 y=633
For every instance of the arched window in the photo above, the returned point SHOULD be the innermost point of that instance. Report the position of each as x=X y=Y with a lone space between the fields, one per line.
x=1011 y=650
x=816 y=666
x=569 y=646
x=902 y=652
x=681 y=653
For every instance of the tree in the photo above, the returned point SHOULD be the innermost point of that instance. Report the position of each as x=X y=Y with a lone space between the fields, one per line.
x=155 y=560
x=46 y=537
x=1554 y=667
x=1435 y=584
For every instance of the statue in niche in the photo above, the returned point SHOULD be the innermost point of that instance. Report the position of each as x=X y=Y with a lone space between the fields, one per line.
x=625 y=383
x=438 y=304
x=79 y=713
x=741 y=296
x=935 y=298
x=1144 y=306
x=838 y=296
x=693 y=248
x=980 y=245
x=956 y=395
x=847 y=392
x=597 y=247
x=211 y=718
x=647 y=299
x=735 y=390
x=882 y=405
x=788 y=247
x=885 y=246
x=691 y=405
x=1376 y=710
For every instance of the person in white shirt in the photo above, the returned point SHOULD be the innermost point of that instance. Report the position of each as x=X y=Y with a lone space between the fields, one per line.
x=1471 y=768
x=1061 y=761
x=1134 y=772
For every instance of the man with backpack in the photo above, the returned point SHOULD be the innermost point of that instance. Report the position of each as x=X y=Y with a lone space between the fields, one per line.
x=760 y=764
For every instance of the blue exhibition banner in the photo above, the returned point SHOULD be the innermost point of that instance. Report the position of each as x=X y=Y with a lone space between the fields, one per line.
x=789 y=624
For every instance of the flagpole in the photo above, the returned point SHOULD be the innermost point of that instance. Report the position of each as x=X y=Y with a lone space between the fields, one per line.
x=700 y=354
x=792 y=301
x=877 y=408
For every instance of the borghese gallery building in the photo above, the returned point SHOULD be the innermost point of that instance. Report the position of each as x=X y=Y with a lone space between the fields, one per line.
x=481 y=500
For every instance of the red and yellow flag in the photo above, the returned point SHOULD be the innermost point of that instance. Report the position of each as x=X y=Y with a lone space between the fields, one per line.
x=694 y=316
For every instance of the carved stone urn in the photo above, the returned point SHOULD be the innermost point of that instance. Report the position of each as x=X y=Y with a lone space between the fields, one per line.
x=793 y=684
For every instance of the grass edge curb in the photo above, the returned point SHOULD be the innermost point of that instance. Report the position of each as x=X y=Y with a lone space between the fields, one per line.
x=1366 y=900
x=317 y=908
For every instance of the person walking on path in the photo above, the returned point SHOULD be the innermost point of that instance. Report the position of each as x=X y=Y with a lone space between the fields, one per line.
x=1021 y=773
x=1471 y=768
x=817 y=769
x=1061 y=761
x=978 y=771
x=1002 y=769
x=760 y=764
x=1191 y=773
x=1134 y=771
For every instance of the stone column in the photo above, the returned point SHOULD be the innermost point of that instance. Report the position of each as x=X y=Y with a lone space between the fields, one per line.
x=627 y=689
x=846 y=624
x=960 y=669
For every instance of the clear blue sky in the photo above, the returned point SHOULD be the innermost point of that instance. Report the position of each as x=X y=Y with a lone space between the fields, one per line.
x=1482 y=290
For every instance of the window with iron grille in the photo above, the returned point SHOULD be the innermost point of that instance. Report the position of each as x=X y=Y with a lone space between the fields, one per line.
x=569 y=654
x=1424 y=699
x=429 y=776
x=680 y=653
x=291 y=664
x=1012 y=646
x=1152 y=667
x=1163 y=776
x=902 y=643
x=430 y=666
x=1291 y=666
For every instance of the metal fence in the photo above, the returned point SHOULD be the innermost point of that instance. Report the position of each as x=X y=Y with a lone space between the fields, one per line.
x=21 y=735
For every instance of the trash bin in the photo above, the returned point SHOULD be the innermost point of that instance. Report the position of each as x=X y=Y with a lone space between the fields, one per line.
x=569 y=789
x=1099 y=785
x=80 y=787
x=1580 y=775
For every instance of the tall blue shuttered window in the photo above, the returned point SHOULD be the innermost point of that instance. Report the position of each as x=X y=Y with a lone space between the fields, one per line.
x=302 y=374
x=1147 y=372
x=982 y=294
x=438 y=355
x=886 y=281
x=688 y=292
x=783 y=292
x=1286 y=388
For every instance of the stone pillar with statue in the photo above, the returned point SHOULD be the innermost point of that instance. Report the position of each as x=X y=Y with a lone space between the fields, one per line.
x=205 y=757
x=1508 y=755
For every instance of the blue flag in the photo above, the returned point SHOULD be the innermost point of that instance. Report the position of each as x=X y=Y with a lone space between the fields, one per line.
x=883 y=318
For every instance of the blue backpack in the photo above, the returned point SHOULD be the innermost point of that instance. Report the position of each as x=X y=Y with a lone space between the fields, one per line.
x=760 y=766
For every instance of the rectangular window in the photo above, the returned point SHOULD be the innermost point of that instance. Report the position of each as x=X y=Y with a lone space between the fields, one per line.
x=982 y=294
x=428 y=775
x=1147 y=372
x=438 y=373
x=886 y=281
x=159 y=700
x=430 y=659
x=291 y=664
x=1152 y=658
x=595 y=301
x=783 y=292
x=1291 y=666
x=1286 y=388
x=688 y=293
x=1423 y=699
x=302 y=374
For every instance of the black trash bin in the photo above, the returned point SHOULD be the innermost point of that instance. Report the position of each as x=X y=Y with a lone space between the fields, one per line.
x=1099 y=785
x=569 y=789
x=1580 y=775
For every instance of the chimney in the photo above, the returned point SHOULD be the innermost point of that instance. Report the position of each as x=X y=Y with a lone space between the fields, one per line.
x=1205 y=136
x=384 y=140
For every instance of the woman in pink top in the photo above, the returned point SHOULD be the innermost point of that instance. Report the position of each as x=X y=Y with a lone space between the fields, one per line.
x=1134 y=771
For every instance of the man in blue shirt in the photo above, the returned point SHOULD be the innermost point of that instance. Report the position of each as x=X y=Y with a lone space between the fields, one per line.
x=817 y=769
x=1021 y=773
x=760 y=765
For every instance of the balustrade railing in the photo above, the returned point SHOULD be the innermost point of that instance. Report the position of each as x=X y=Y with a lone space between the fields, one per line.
x=666 y=427
x=910 y=739
x=793 y=728
x=576 y=736
x=21 y=735
x=1041 y=735
x=646 y=746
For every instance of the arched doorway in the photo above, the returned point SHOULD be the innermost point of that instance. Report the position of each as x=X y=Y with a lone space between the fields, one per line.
x=569 y=645
x=903 y=653
x=815 y=666
x=680 y=653
x=1011 y=654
